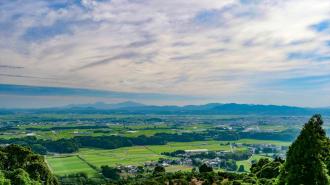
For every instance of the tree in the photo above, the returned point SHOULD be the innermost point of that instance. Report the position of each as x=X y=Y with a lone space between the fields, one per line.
x=38 y=148
x=205 y=168
x=21 y=177
x=269 y=170
x=305 y=157
x=3 y=180
x=22 y=167
x=158 y=170
x=257 y=166
x=110 y=172
x=241 y=168
x=231 y=165
x=140 y=169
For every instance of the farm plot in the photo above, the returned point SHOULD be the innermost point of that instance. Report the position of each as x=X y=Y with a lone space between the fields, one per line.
x=65 y=165
x=136 y=155
x=256 y=141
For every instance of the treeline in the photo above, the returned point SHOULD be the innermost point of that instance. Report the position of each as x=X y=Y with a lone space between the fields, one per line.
x=286 y=135
x=71 y=145
x=8 y=128
x=42 y=146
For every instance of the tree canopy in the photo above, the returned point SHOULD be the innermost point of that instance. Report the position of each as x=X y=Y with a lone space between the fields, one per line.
x=20 y=166
x=306 y=158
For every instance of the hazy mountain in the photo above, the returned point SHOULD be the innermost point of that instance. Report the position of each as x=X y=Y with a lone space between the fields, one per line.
x=206 y=109
x=102 y=105
x=211 y=108
x=260 y=109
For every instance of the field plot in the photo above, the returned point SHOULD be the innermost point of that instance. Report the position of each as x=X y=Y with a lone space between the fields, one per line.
x=68 y=165
x=256 y=141
x=178 y=168
x=135 y=133
x=173 y=146
x=136 y=155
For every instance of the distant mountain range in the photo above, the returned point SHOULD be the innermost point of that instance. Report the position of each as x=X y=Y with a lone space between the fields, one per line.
x=104 y=106
x=130 y=107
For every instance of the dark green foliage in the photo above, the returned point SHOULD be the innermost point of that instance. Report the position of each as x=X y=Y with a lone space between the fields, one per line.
x=110 y=172
x=61 y=146
x=250 y=179
x=21 y=177
x=3 y=179
x=183 y=178
x=269 y=171
x=38 y=148
x=306 y=156
x=205 y=168
x=236 y=183
x=265 y=181
x=231 y=165
x=20 y=166
x=241 y=168
x=80 y=179
x=41 y=146
x=258 y=165
x=140 y=169
x=158 y=170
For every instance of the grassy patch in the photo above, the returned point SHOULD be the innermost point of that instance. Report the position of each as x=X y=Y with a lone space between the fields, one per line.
x=68 y=165
x=136 y=155
x=255 y=141
x=178 y=168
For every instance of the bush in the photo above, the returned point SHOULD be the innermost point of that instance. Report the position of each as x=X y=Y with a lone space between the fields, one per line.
x=205 y=168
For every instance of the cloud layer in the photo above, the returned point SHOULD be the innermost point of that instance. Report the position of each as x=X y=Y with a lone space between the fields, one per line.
x=254 y=51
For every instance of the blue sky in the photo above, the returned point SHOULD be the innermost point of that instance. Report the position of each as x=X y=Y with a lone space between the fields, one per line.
x=165 y=52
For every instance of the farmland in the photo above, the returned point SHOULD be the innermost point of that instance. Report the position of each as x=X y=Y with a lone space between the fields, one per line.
x=149 y=140
x=138 y=155
x=69 y=164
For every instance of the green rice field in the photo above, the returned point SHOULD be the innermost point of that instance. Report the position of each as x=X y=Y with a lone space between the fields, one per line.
x=138 y=155
x=69 y=164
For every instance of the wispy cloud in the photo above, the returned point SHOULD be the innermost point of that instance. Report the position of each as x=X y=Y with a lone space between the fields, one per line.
x=9 y=89
x=25 y=76
x=226 y=49
x=11 y=67
x=130 y=55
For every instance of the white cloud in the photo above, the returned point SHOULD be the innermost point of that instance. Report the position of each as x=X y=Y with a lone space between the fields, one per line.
x=240 y=47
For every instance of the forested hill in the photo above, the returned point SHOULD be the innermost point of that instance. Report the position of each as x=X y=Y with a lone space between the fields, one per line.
x=212 y=108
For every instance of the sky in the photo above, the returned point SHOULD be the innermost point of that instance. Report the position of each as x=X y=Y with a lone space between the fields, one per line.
x=54 y=53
